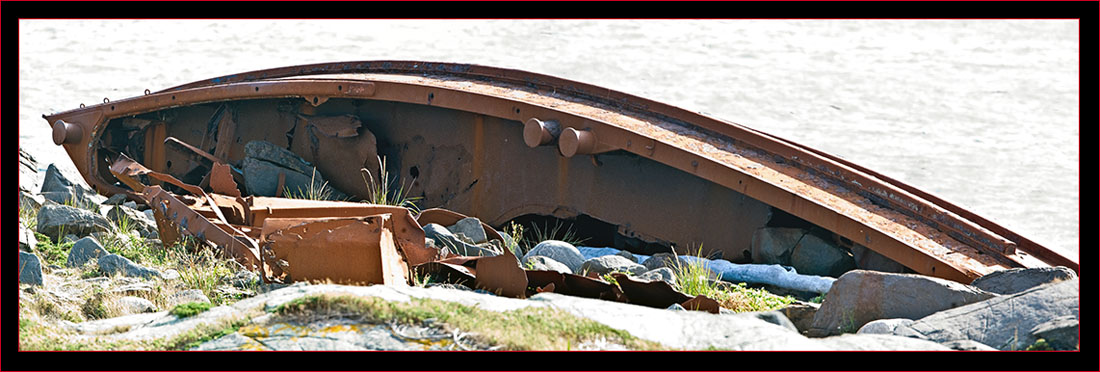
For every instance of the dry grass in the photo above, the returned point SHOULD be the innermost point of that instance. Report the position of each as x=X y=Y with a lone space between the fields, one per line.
x=523 y=329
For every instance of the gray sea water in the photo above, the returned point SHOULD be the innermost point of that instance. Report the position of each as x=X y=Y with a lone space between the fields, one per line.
x=983 y=113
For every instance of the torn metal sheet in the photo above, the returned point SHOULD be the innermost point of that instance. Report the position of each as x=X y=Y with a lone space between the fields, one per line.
x=572 y=285
x=660 y=294
x=339 y=146
x=410 y=235
x=702 y=303
x=235 y=243
x=501 y=275
x=126 y=169
x=221 y=180
x=346 y=251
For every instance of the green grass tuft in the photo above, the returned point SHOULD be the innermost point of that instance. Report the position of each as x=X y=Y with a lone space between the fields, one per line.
x=52 y=253
x=693 y=278
x=315 y=191
x=190 y=309
x=380 y=191
x=559 y=231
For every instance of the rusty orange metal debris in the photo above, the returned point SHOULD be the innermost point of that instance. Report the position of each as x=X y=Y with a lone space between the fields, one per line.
x=341 y=250
x=501 y=145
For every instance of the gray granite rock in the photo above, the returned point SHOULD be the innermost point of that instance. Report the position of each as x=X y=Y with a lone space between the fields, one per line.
x=867 y=259
x=861 y=296
x=815 y=256
x=27 y=241
x=1062 y=333
x=663 y=273
x=136 y=305
x=30 y=178
x=611 y=263
x=776 y=317
x=471 y=228
x=545 y=263
x=85 y=250
x=1021 y=279
x=774 y=245
x=967 y=345
x=30 y=269
x=113 y=263
x=1003 y=322
x=801 y=314
x=55 y=220
x=116 y=199
x=883 y=326
x=137 y=221
x=445 y=239
x=559 y=251
x=187 y=296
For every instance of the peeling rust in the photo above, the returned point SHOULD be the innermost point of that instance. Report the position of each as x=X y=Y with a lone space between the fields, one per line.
x=500 y=144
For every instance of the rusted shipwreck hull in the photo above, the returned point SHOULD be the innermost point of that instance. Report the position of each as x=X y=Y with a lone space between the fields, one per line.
x=501 y=144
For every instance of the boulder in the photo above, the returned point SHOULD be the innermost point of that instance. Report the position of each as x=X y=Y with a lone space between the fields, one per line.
x=659 y=260
x=54 y=181
x=1021 y=279
x=55 y=220
x=113 y=263
x=967 y=345
x=116 y=199
x=27 y=241
x=67 y=197
x=866 y=259
x=244 y=279
x=278 y=156
x=872 y=342
x=545 y=263
x=612 y=263
x=29 y=177
x=60 y=189
x=445 y=239
x=815 y=256
x=1003 y=322
x=188 y=296
x=861 y=296
x=30 y=269
x=137 y=220
x=263 y=163
x=883 y=326
x=559 y=251
x=628 y=255
x=1061 y=333
x=85 y=250
x=136 y=305
x=29 y=201
x=662 y=273
x=801 y=314
x=776 y=317
x=471 y=228
x=774 y=245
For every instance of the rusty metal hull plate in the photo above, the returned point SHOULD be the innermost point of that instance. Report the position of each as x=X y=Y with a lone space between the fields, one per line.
x=913 y=228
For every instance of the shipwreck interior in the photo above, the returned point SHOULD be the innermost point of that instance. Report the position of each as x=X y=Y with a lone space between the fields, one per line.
x=471 y=163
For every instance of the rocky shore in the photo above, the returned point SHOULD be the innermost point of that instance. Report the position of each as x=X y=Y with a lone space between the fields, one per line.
x=95 y=276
